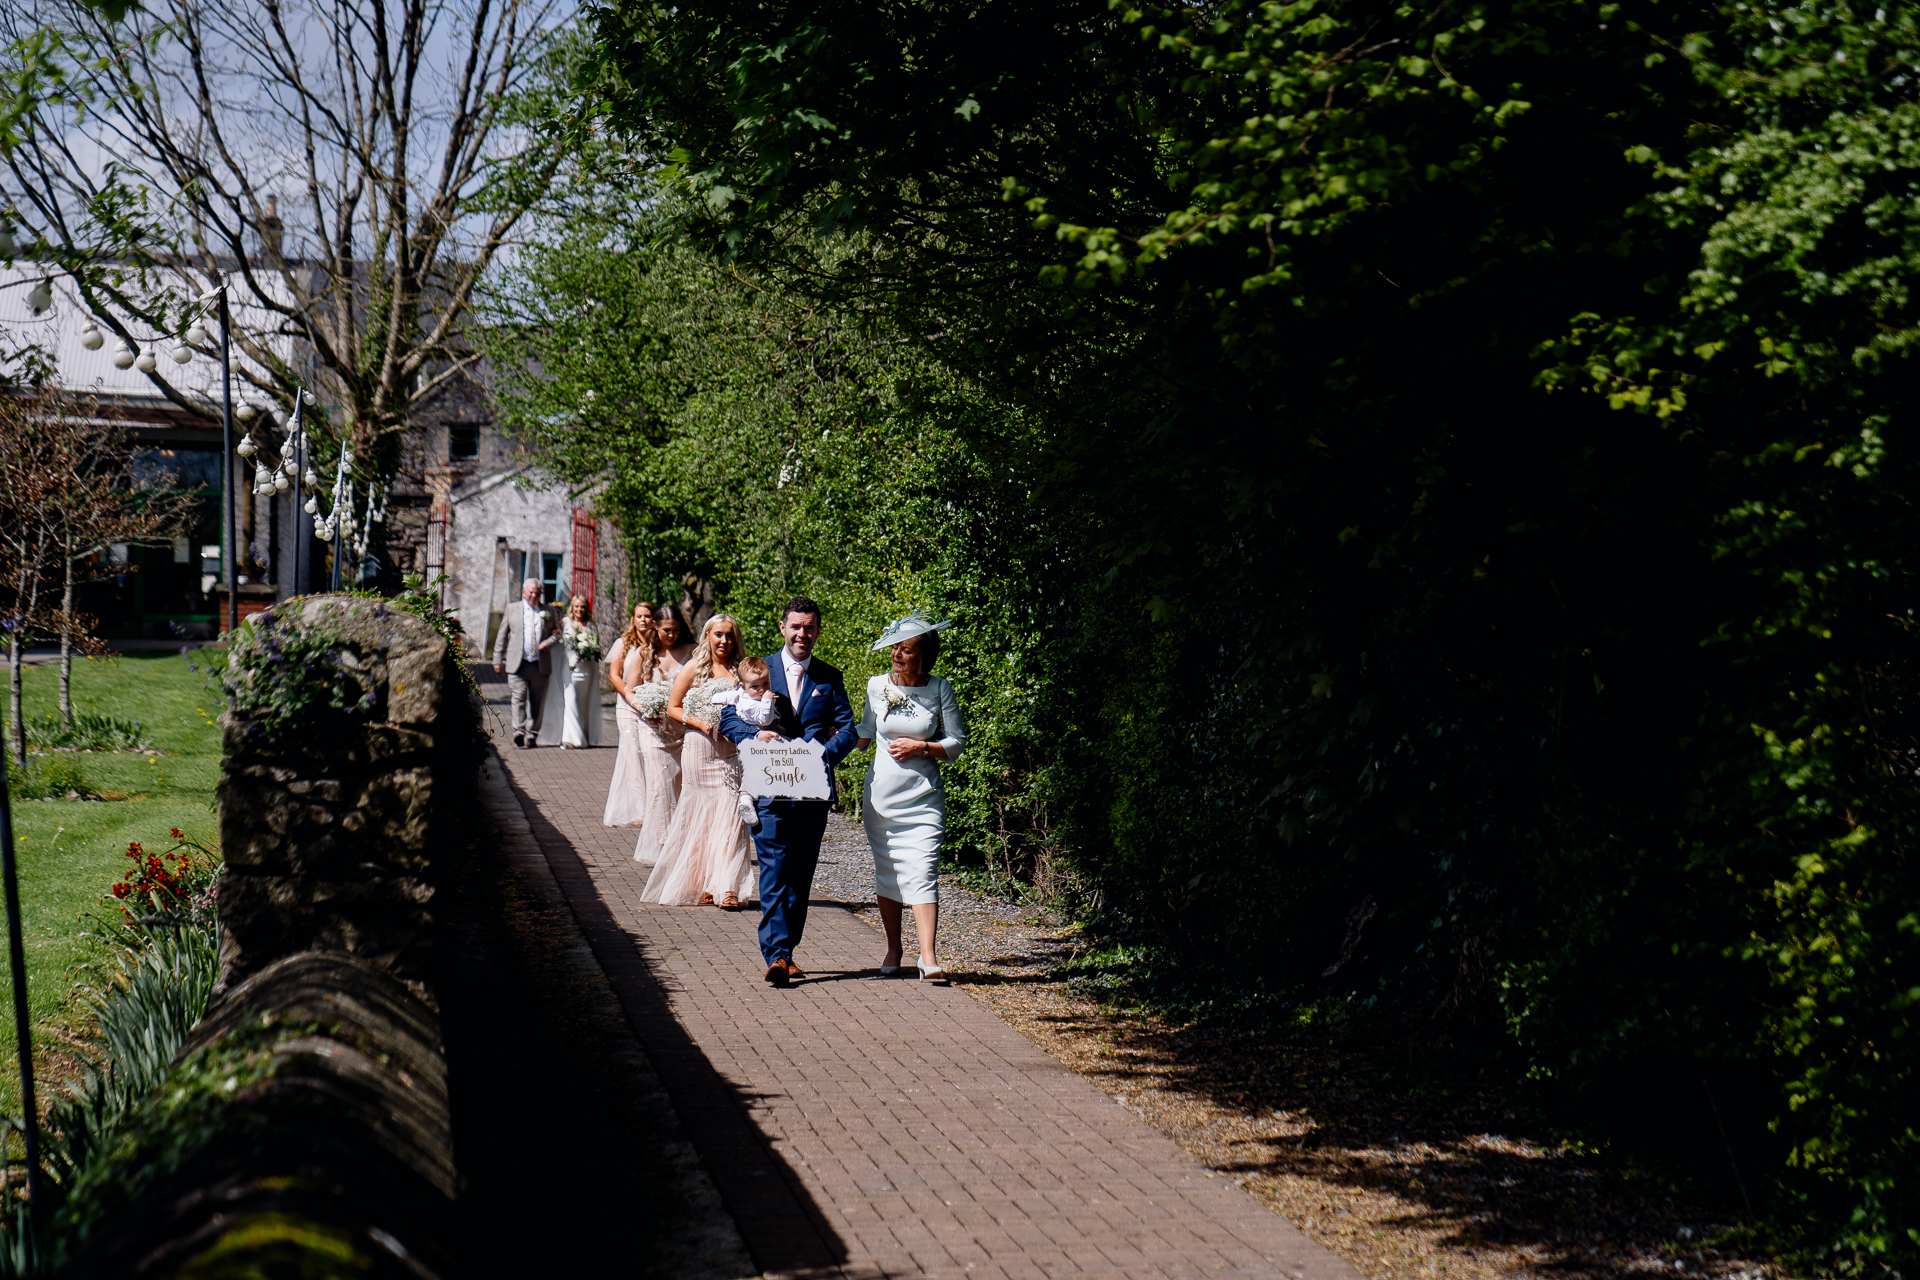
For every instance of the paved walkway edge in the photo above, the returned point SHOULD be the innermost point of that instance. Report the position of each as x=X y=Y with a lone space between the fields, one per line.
x=707 y=1244
x=769 y=1208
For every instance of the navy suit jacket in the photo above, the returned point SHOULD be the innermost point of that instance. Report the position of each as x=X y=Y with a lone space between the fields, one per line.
x=820 y=706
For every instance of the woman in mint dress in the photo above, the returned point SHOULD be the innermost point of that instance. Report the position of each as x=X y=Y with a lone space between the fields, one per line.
x=915 y=717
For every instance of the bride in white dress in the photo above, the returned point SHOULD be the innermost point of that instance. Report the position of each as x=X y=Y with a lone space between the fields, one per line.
x=916 y=719
x=575 y=688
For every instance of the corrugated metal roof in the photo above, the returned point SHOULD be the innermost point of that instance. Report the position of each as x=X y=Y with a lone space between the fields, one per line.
x=57 y=333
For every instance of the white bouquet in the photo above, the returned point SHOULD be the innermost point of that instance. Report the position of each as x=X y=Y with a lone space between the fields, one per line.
x=698 y=704
x=585 y=642
x=650 y=699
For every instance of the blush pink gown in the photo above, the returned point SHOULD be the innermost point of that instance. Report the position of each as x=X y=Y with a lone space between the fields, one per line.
x=660 y=747
x=627 y=797
x=708 y=849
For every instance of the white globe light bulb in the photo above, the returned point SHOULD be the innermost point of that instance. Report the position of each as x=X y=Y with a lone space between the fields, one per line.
x=7 y=244
x=262 y=476
x=313 y=507
x=40 y=297
x=91 y=338
x=147 y=362
x=123 y=357
x=246 y=446
x=181 y=354
x=245 y=412
x=280 y=482
x=197 y=334
x=310 y=480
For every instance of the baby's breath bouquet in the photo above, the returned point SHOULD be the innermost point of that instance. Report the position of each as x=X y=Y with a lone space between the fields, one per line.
x=698 y=704
x=650 y=699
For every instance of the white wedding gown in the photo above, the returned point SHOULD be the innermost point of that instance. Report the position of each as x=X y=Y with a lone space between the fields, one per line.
x=573 y=714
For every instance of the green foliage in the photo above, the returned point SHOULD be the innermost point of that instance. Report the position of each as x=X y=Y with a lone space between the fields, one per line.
x=149 y=995
x=46 y=777
x=757 y=446
x=1441 y=486
x=89 y=731
x=286 y=673
x=152 y=998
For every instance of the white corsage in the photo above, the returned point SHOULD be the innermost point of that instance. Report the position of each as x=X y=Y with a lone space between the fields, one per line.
x=895 y=700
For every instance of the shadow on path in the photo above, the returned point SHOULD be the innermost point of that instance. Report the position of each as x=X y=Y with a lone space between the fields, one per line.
x=777 y=1219
x=568 y=1150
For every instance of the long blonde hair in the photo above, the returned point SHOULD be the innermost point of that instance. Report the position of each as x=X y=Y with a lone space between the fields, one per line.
x=702 y=658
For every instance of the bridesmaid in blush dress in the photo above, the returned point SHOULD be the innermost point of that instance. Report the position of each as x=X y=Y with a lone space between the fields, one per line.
x=660 y=740
x=707 y=858
x=632 y=654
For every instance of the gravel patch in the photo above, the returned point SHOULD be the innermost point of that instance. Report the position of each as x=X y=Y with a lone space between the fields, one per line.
x=983 y=939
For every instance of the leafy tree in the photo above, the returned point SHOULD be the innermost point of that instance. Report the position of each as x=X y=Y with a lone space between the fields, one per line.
x=352 y=171
x=754 y=445
x=1575 y=734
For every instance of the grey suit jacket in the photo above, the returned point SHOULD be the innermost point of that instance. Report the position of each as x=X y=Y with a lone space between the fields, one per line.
x=511 y=649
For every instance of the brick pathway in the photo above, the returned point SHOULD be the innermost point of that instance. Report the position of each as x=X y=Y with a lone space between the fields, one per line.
x=866 y=1128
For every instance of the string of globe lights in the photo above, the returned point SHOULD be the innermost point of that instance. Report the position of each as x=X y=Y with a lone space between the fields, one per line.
x=343 y=515
x=342 y=518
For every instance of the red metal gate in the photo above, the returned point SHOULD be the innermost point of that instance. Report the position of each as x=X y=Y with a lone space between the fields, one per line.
x=586 y=535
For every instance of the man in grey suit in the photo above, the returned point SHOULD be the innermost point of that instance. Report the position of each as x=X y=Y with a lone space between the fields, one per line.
x=520 y=650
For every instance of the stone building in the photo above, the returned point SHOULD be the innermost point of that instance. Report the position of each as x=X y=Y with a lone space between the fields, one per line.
x=468 y=503
x=464 y=500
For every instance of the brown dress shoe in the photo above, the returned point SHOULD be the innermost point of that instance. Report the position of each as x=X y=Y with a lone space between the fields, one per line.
x=784 y=972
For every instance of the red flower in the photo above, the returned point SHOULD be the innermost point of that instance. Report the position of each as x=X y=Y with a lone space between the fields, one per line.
x=176 y=834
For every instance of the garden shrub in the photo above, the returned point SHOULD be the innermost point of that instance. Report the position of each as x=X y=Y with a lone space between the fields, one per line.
x=90 y=731
x=46 y=777
x=1431 y=490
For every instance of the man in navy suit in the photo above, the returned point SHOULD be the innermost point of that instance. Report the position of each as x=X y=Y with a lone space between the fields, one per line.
x=811 y=699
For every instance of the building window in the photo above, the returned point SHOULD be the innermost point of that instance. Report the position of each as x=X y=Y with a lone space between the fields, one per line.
x=550 y=577
x=463 y=440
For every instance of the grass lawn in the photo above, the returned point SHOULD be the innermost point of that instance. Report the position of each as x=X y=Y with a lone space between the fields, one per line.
x=71 y=852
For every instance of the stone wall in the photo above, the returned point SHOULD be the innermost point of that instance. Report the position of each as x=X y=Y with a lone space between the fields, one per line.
x=327 y=828
x=305 y=1128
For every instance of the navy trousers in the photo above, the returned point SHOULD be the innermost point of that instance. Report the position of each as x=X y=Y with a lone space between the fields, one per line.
x=788 y=843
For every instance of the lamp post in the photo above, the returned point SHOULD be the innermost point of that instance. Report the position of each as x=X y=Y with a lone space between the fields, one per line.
x=22 y=1028
x=226 y=465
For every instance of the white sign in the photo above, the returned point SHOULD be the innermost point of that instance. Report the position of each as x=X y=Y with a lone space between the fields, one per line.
x=792 y=770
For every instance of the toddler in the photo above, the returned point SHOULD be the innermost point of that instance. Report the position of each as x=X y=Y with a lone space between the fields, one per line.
x=753 y=701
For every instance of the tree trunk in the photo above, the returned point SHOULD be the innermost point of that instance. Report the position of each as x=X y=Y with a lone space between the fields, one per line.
x=66 y=645
x=19 y=637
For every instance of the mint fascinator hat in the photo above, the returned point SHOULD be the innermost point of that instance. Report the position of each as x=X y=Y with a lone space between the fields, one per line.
x=914 y=624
